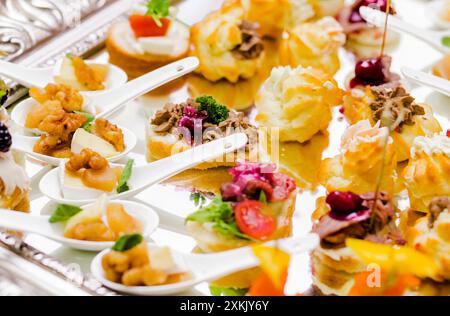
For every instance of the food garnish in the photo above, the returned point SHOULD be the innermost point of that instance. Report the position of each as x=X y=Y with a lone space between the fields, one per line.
x=3 y=92
x=127 y=242
x=217 y=112
x=158 y=9
x=126 y=174
x=252 y=222
x=64 y=212
x=221 y=214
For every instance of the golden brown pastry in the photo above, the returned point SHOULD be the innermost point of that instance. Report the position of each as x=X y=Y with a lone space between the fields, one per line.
x=428 y=172
x=227 y=45
x=297 y=101
x=364 y=154
x=408 y=119
x=274 y=16
x=314 y=44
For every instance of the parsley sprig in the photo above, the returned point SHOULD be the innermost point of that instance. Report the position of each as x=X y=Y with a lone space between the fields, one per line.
x=158 y=9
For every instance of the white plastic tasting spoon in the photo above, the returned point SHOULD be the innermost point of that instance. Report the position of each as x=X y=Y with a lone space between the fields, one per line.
x=205 y=267
x=105 y=103
x=433 y=38
x=26 y=144
x=147 y=175
x=40 y=77
x=41 y=226
x=419 y=77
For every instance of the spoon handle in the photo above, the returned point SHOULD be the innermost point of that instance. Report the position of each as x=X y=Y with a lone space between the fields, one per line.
x=377 y=18
x=162 y=169
x=20 y=221
x=422 y=78
x=114 y=99
x=25 y=76
x=216 y=265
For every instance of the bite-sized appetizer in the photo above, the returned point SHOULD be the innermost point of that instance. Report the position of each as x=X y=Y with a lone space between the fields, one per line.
x=152 y=37
x=68 y=130
x=132 y=262
x=366 y=152
x=314 y=44
x=394 y=108
x=102 y=221
x=297 y=101
x=428 y=172
x=80 y=76
x=342 y=215
x=327 y=7
x=14 y=182
x=359 y=31
x=442 y=67
x=255 y=206
x=274 y=16
x=227 y=45
x=178 y=127
x=89 y=175
x=430 y=234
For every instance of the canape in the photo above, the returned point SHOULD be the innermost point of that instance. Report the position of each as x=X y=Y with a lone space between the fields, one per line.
x=178 y=127
x=377 y=95
x=77 y=74
x=66 y=128
x=14 y=182
x=343 y=215
x=357 y=29
x=89 y=175
x=151 y=37
x=101 y=221
x=427 y=174
x=314 y=44
x=132 y=262
x=297 y=101
x=227 y=45
x=366 y=153
x=256 y=205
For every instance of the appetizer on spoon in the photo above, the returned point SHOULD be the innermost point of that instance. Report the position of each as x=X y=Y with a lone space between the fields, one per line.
x=152 y=270
x=92 y=227
x=88 y=76
x=111 y=141
x=101 y=104
x=88 y=175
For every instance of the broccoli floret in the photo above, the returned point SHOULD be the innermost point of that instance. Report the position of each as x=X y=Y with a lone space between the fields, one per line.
x=216 y=112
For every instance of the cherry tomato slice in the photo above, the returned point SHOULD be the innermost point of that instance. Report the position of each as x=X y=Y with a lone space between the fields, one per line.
x=145 y=26
x=252 y=222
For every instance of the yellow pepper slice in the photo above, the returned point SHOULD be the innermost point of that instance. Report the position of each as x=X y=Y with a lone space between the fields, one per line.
x=274 y=262
x=400 y=258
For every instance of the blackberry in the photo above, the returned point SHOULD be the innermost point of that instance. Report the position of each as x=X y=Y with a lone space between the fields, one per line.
x=5 y=138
